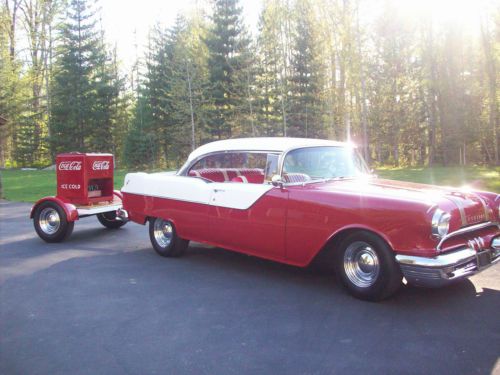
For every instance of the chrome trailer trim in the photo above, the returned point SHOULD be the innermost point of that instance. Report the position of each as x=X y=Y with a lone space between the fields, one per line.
x=98 y=209
x=447 y=268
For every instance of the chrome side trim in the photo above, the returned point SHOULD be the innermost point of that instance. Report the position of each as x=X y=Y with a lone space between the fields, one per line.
x=485 y=206
x=444 y=260
x=460 y=207
x=460 y=231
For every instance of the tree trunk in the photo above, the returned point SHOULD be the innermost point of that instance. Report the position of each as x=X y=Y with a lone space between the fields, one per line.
x=492 y=88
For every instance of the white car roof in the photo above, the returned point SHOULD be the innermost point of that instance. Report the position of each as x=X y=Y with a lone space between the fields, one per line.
x=274 y=144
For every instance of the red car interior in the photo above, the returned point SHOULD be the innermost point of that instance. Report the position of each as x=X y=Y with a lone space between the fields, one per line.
x=245 y=175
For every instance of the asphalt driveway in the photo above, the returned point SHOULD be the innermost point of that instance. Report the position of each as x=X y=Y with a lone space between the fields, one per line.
x=104 y=303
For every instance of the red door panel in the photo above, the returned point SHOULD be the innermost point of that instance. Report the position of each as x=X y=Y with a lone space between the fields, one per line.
x=259 y=230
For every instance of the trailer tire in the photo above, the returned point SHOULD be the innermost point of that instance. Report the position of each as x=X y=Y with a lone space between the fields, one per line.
x=109 y=220
x=51 y=223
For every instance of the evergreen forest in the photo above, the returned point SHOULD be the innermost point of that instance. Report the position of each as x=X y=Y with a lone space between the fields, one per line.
x=408 y=85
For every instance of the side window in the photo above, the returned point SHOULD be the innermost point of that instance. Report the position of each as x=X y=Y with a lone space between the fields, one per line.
x=210 y=161
x=256 y=161
x=245 y=167
x=238 y=160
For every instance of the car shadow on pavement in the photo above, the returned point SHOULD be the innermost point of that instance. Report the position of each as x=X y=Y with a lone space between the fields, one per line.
x=323 y=276
x=458 y=322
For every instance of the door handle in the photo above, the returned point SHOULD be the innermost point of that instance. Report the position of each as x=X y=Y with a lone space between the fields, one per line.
x=219 y=190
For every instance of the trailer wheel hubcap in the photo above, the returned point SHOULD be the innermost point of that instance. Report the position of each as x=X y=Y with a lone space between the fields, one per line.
x=361 y=264
x=163 y=232
x=49 y=220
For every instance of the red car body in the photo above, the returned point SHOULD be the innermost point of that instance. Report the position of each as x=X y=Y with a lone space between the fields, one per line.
x=294 y=222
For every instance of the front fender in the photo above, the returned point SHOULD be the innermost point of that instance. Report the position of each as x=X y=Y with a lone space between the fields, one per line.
x=69 y=209
x=367 y=228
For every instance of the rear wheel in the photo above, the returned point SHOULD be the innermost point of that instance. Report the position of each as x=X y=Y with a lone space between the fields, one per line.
x=366 y=266
x=164 y=238
x=109 y=220
x=51 y=223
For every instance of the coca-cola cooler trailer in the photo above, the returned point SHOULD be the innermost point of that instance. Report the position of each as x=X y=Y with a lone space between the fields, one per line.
x=84 y=188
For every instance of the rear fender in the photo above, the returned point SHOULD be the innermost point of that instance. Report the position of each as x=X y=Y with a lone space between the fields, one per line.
x=69 y=209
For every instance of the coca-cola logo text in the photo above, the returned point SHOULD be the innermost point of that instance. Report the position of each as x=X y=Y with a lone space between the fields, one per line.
x=70 y=166
x=100 y=165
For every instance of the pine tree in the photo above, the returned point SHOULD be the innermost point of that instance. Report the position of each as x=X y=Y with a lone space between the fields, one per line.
x=188 y=83
x=140 y=148
x=142 y=141
x=85 y=88
x=274 y=67
x=106 y=86
x=306 y=79
x=230 y=70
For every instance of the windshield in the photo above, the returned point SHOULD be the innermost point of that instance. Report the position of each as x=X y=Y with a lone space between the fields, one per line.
x=325 y=162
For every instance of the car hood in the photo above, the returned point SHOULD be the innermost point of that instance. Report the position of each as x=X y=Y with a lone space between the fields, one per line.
x=469 y=207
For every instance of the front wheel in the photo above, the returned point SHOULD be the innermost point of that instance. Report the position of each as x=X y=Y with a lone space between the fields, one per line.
x=366 y=266
x=164 y=238
x=109 y=220
x=51 y=223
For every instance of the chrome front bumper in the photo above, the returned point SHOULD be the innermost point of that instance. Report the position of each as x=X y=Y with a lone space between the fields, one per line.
x=447 y=268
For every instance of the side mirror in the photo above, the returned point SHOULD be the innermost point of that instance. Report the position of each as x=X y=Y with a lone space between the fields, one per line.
x=277 y=181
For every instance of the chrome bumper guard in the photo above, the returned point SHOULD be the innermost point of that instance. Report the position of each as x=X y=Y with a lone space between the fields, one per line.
x=447 y=268
x=122 y=214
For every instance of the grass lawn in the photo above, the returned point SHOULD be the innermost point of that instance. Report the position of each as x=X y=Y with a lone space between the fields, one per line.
x=29 y=186
x=479 y=178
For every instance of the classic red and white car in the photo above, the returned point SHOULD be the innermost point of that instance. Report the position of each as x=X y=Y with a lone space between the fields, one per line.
x=292 y=200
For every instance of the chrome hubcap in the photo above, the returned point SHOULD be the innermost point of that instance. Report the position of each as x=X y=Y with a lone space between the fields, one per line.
x=49 y=220
x=361 y=264
x=163 y=232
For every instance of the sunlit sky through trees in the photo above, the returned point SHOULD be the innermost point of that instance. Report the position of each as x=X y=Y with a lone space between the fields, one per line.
x=127 y=23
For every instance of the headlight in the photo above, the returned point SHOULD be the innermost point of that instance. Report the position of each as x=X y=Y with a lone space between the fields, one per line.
x=440 y=223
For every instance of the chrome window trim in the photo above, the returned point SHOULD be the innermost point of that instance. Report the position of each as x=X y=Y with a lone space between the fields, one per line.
x=460 y=231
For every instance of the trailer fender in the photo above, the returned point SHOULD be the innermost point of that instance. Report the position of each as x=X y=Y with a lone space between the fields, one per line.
x=118 y=193
x=69 y=209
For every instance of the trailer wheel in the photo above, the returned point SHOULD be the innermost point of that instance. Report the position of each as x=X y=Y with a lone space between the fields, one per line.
x=51 y=223
x=164 y=238
x=109 y=220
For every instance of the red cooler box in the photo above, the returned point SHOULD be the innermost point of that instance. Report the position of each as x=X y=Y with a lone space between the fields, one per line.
x=84 y=179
